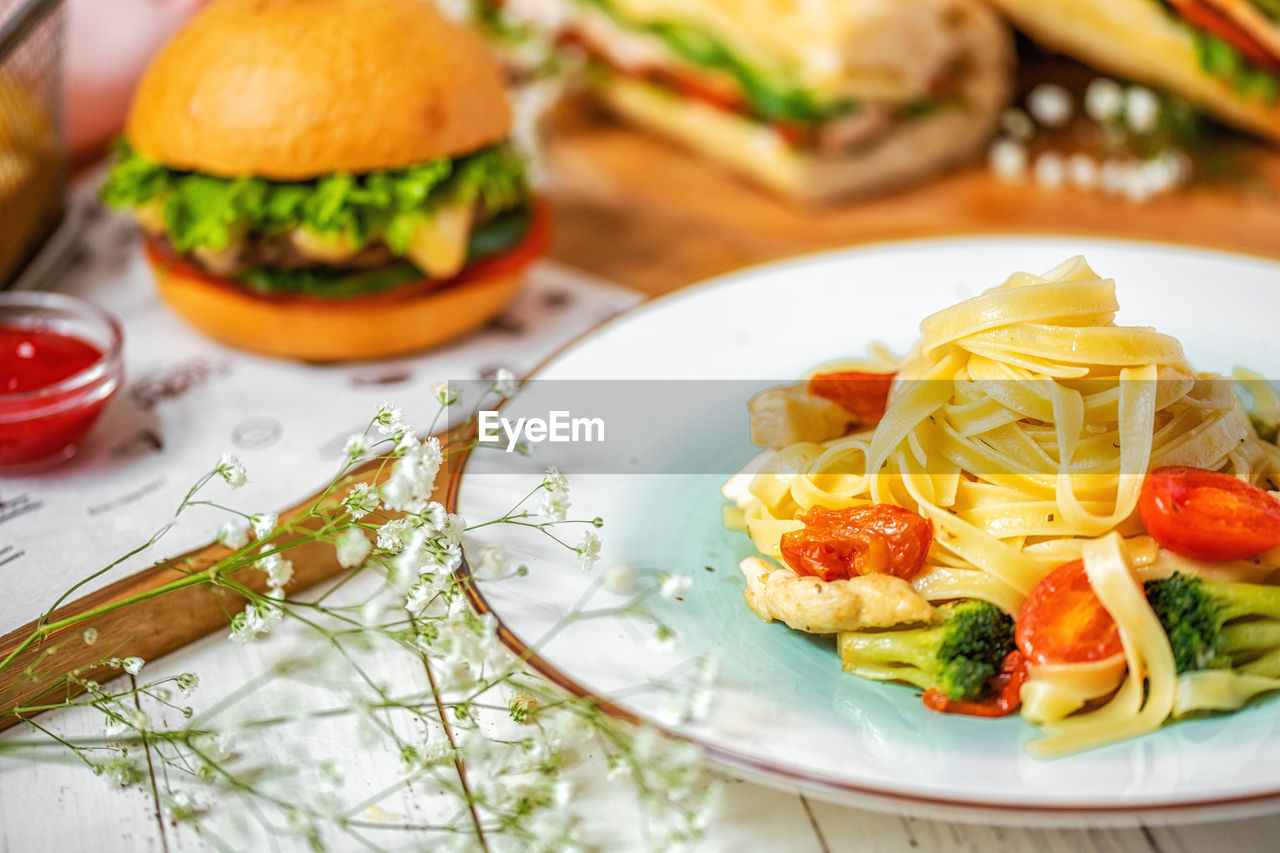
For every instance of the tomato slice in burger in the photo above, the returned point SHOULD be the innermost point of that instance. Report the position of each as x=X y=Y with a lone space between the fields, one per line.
x=1062 y=621
x=1208 y=515
x=837 y=544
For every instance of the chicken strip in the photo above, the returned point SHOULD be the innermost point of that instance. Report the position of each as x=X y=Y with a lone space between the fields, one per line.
x=828 y=607
x=791 y=414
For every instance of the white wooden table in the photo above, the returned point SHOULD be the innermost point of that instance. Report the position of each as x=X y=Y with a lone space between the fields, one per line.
x=64 y=807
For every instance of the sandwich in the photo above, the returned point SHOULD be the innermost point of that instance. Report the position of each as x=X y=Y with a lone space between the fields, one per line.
x=815 y=99
x=1222 y=55
x=328 y=179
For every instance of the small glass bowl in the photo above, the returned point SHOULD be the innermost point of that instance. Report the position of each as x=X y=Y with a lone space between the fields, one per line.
x=42 y=426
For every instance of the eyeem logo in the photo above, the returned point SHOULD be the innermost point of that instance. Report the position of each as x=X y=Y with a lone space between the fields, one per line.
x=558 y=426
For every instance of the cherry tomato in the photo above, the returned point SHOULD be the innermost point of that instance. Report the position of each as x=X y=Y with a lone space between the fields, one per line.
x=1005 y=688
x=1208 y=515
x=863 y=395
x=1062 y=621
x=836 y=544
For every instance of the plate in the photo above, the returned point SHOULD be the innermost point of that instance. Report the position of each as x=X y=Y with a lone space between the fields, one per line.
x=782 y=712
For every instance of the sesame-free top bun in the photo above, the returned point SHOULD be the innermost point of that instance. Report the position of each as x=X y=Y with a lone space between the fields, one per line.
x=292 y=89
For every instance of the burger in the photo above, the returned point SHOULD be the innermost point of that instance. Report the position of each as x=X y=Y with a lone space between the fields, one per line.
x=328 y=179
x=817 y=100
x=1222 y=55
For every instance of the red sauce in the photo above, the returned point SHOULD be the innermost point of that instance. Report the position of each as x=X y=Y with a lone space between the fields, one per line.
x=31 y=359
x=38 y=427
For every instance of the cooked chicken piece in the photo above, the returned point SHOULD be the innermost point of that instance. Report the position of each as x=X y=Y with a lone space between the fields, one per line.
x=829 y=607
x=788 y=415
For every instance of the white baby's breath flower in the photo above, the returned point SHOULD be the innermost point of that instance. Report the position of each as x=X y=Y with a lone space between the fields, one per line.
x=446 y=560
x=620 y=579
x=554 y=480
x=555 y=498
x=357 y=445
x=256 y=620
x=555 y=506
x=352 y=547
x=362 y=500
x=279 y=570
x=407 y=443
x=232 y=470
x=187 y=682
x=132 y=665
x=263 y=523
x=90 y=636
x=430 y=517
x=520 y=705
x=451 y=531
x=413 y=476
x=419 y=596
x=388 y=419
x=120 y=769
x=672 y=587
x=430 y=455
x=588 y=550
x=445 y=393
x=504 y=383
x=233 y=534
x=493 y=562
x=391 y=534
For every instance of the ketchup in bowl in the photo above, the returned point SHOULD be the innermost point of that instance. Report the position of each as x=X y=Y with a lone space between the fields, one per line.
x=60 y=362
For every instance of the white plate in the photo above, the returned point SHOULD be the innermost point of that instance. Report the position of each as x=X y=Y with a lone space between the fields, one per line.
x=784 y=713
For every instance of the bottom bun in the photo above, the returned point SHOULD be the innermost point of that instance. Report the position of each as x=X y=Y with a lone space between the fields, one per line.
x=405 y=319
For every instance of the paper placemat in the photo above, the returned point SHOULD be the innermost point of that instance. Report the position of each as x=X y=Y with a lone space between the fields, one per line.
x=187 y=400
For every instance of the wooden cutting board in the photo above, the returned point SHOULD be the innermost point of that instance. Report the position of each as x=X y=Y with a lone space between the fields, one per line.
x=634 y=209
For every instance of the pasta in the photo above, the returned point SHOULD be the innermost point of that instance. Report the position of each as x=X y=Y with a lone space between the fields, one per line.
x=1022 y=426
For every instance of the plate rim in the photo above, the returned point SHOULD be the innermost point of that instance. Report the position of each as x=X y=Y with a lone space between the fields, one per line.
x=765 y=771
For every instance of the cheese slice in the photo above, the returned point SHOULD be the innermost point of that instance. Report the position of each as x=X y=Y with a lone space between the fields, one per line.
x=439 y=244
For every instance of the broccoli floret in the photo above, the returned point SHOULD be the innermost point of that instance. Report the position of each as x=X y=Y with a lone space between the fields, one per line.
x=1219 y=625
x=958 y=655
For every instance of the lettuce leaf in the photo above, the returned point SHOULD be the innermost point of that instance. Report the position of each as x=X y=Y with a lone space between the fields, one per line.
x=206 y=211
x=1221 y=60
x=770 y=97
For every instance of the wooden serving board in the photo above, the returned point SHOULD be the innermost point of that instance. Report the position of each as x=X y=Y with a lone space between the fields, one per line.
x=151 y=627
x=636 y=210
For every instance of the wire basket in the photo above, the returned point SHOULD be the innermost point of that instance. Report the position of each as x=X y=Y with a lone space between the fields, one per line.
x=33 y=170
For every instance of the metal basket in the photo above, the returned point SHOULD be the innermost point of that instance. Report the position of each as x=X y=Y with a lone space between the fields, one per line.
x=33 y=170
